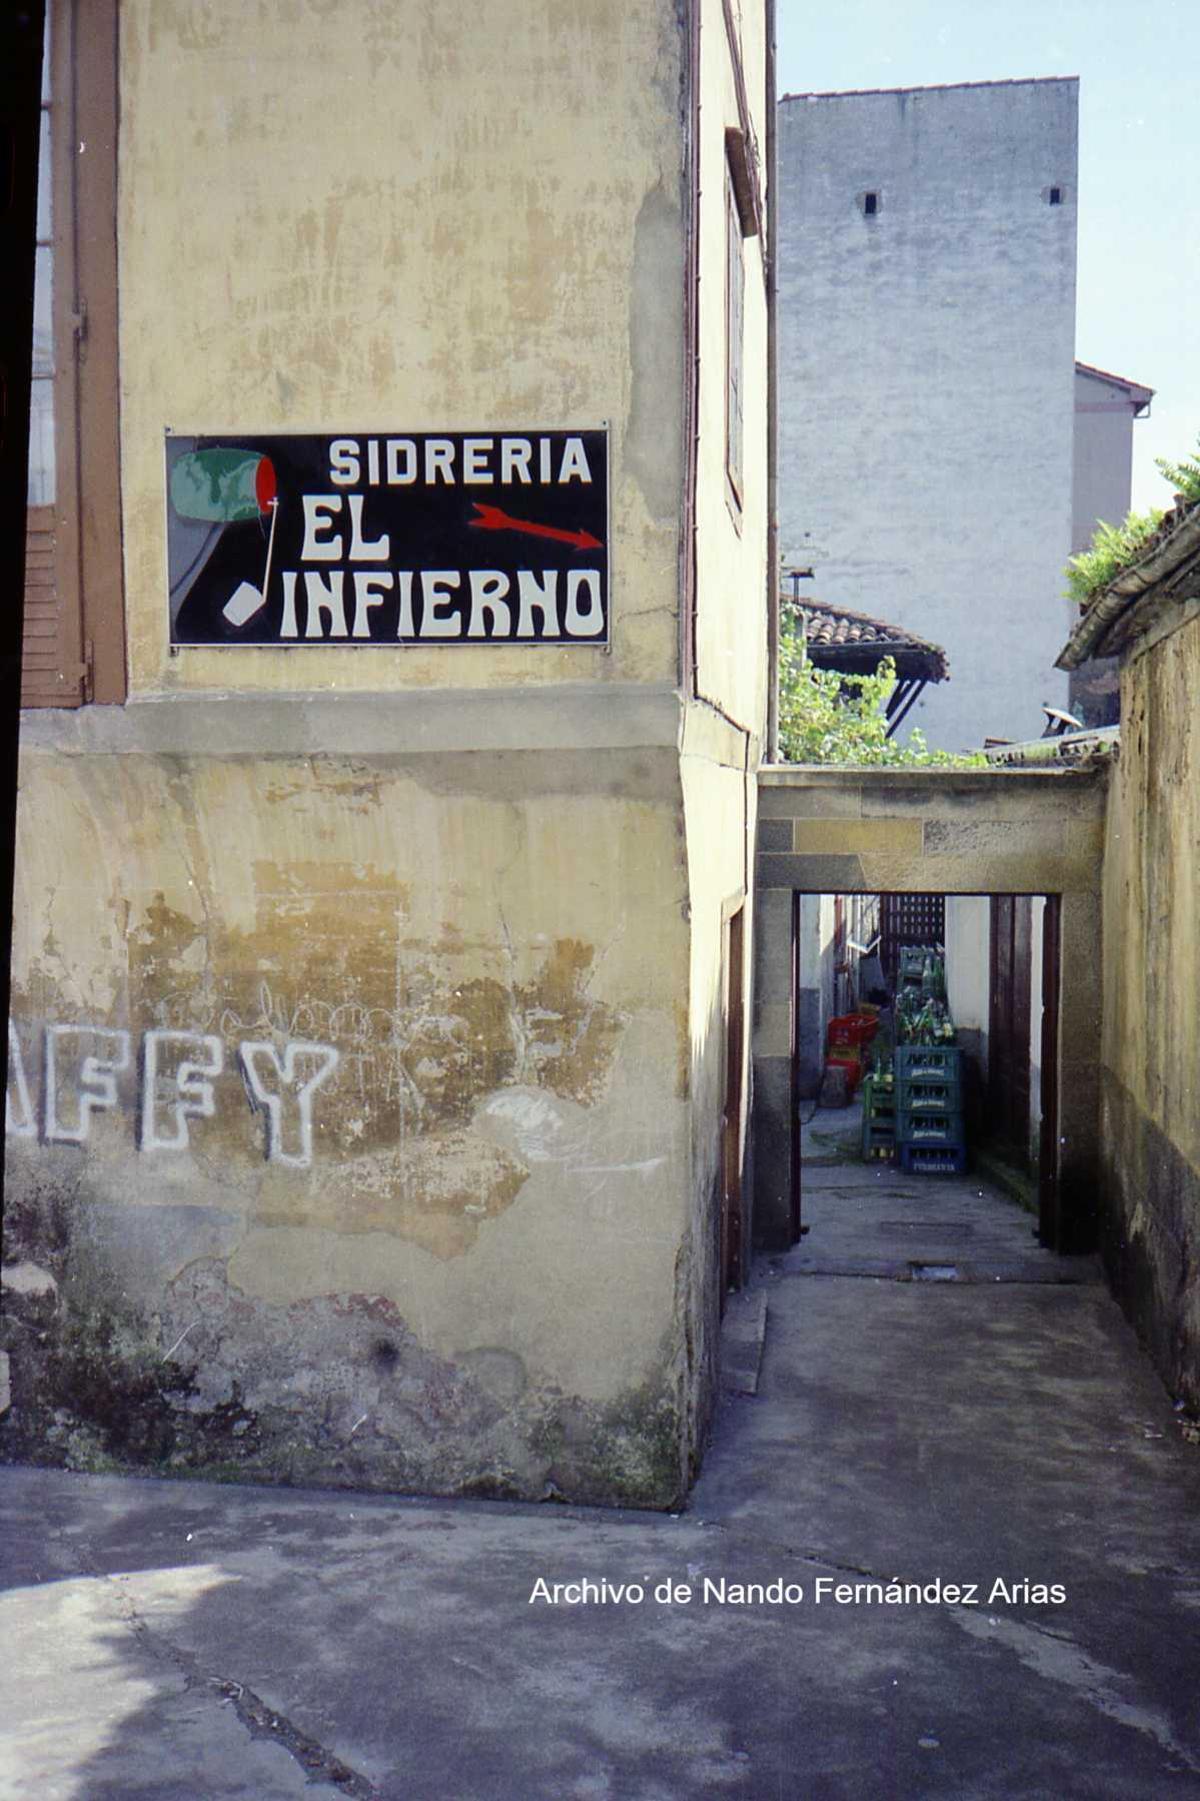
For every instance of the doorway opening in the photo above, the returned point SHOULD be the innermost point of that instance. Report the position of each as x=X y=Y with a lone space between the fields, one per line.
x=925 y=1034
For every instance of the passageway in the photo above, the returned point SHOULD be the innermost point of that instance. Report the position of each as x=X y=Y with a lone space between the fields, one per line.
x=952 y=1426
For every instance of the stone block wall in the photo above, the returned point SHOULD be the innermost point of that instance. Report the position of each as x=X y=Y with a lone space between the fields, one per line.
x=928 y=831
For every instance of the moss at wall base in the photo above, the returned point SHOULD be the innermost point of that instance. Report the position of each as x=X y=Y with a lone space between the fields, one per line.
x=204 y=1380
x=94 y=1393
x=1151 y=1238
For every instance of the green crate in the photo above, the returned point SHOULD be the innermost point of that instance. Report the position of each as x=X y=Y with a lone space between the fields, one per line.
x=933 y=1061
x=930 y=1128
x=878 y=1102
x=929 y=1097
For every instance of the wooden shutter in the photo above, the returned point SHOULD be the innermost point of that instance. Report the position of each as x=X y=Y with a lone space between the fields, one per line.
x=51 y=666
x=73 y=586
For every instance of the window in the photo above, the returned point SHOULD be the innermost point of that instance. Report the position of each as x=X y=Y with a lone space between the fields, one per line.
x=735 y=294
x=1055 y=197
x=74 y=646
x=870 y=204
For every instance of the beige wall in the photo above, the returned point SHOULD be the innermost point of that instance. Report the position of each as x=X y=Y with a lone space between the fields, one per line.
x=1151 y=1042
x=725 y=714
x=731 y=539
x=931 y=831
x=402 y=975
x=381 y=218
x=495 y=1059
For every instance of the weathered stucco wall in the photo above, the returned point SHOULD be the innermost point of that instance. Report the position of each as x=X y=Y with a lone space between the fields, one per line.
x=381 y=991
x=348 y=1131
x=929 y=831
x=725 y=713
x=382 y=218
x=731 y=532
x=1151 y=1042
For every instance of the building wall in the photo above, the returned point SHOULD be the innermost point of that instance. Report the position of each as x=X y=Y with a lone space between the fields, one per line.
x=380 y=1234
x=1103 y=481
x=908 y=831
x=384 y=225
x=725 y=689
x=968 y=950
x=1151 y=1039
x=926 y=370
x=400 y=973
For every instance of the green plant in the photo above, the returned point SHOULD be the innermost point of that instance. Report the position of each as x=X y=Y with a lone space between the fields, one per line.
x=1184 y=477
x=1113 y=548
x=1116 y=547
x=825 y=717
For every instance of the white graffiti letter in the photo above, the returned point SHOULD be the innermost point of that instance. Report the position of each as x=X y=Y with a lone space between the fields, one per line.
x=18 y=1108
x=184 y=1091
x=94 y=1078
x=257 y=1057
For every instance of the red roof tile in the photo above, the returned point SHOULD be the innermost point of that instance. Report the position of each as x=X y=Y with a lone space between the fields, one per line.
x=840 y=638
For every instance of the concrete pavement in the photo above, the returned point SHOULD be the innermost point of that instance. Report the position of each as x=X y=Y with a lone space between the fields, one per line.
x=989 y=1422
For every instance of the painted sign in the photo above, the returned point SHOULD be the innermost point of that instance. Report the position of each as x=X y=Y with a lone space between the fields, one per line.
x=368 y=539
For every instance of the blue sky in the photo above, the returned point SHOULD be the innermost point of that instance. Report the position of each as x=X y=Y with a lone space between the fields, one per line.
x=1139 y=158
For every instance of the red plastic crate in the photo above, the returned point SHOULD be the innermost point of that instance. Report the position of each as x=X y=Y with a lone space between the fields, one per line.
x=851 y=1029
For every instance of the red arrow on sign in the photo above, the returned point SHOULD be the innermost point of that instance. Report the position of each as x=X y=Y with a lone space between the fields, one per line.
x=492 y=519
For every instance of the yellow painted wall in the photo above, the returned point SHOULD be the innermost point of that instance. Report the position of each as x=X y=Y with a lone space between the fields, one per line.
x=1152 y=891
x=1151 y=1036
x=477 y=935
x=492 y=956
x=374 y=217
x=731 y=538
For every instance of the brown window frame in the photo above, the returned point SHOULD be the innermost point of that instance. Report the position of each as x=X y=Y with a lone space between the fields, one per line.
x=74 y=649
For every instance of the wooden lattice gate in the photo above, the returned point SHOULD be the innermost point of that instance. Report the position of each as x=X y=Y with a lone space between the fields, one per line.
x=908 y=919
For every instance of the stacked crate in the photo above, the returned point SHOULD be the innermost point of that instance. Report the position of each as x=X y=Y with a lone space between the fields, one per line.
x=878 y=1121
x=930 y=1130
x=846 y=1042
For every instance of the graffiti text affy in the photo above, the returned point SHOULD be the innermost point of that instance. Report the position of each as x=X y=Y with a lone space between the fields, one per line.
x=82 y=1067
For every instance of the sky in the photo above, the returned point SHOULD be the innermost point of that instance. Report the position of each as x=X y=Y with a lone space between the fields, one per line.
x=1138 y=296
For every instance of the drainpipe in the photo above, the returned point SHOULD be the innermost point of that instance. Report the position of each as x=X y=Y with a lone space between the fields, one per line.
x=772 y=411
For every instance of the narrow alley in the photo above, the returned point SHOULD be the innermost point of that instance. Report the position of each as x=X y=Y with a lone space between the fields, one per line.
x=938 y=1403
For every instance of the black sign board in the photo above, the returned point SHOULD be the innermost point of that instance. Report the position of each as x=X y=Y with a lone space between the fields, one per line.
x=428 y=538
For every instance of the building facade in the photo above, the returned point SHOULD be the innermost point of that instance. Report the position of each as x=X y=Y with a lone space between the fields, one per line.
x=926 y=357
x=377 y=1095
x=1106 y=407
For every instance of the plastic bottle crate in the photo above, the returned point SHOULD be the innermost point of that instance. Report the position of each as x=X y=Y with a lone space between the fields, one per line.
x=929 y=1097
x=930 y=1128
x=931 y=1060
x=878 y=1102
x=933 y=1159
x=852 y=1029
x=878 y=1144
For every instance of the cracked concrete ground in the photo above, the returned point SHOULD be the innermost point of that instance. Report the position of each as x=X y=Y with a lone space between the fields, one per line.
x=172 y=1640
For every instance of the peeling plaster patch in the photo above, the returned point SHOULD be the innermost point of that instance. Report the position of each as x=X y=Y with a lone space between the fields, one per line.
x=502 y=1373
x=435 y=1191
x=27 y=1278
x=1059 y=1659
x=132 y=1250
x=540 y=1127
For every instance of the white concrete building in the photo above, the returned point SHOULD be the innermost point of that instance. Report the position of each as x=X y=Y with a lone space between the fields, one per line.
x=926 y=347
